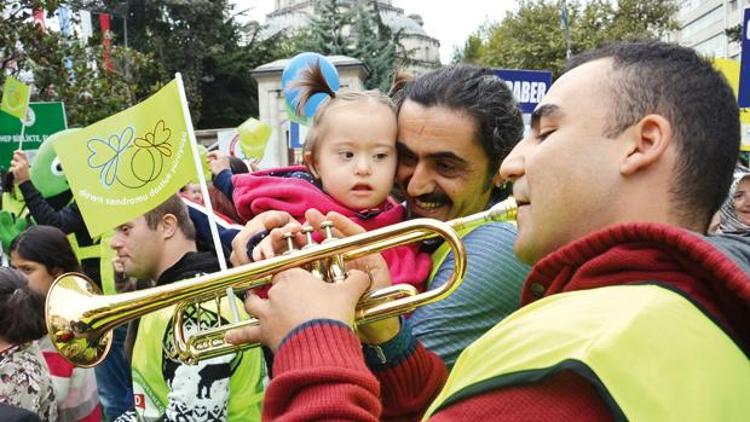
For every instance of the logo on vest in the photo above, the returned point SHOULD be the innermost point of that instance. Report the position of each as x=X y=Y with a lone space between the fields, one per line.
x=140 y=401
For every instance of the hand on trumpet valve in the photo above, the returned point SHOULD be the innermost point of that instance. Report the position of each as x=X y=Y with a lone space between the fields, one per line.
x=297 y=297
x=262 y=222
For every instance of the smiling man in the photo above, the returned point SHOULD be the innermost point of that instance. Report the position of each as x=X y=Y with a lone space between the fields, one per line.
x=160 y=246
x=455 y=126
x=630 y=312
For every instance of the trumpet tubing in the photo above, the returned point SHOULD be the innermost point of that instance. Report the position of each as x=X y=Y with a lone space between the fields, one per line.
x=80 y=320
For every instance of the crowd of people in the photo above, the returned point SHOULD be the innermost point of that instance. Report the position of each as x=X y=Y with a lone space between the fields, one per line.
x=621 y=290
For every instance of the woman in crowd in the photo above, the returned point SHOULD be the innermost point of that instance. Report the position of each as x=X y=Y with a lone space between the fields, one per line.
x=735 y=213
x=43 y=253
x=24 y=378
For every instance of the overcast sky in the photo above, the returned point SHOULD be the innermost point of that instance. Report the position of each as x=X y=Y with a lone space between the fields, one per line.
x=451 y=22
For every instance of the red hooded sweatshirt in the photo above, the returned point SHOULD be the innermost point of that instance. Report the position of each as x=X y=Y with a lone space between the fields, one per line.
x=279 y=189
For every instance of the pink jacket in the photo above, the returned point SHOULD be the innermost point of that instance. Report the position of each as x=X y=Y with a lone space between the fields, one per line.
x=277 y=189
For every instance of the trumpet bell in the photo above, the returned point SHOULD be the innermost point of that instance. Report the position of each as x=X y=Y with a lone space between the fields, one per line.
x=69 y=326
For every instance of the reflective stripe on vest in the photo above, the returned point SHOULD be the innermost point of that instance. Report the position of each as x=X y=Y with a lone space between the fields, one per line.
x=651 y=353
x=99 y=250
x=150 y=389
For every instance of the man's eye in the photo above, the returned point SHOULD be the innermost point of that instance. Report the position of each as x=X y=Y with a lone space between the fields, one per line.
x=445 y=168
x=543 y=135
x=407 y=160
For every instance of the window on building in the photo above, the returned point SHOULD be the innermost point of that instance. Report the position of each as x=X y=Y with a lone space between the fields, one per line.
x=710 y=19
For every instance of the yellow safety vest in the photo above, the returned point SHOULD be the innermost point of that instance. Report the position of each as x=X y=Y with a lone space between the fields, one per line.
x=100 y=250
x=150 y=389
x=654 y=355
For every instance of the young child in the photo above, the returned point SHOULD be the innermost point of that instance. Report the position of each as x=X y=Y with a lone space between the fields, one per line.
x=350 y=164
x=24 y=378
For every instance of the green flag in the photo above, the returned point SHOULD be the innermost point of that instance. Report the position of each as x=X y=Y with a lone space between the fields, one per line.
x=254 y=136
x=125 y=165
x=16 y=96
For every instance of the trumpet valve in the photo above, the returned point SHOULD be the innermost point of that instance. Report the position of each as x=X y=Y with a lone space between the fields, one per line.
x=307 y=230
x=327 y=227
x=289 y=237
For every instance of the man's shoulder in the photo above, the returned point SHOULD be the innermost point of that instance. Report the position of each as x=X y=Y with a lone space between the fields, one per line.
x=496 y=232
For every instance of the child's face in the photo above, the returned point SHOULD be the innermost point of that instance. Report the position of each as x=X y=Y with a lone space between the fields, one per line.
x=194 y=191
x=356 y=155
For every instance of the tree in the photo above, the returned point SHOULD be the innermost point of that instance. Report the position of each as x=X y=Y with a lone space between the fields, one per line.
x=357 y=32
x=531 y=37
x=64 y=69
x=230 y=96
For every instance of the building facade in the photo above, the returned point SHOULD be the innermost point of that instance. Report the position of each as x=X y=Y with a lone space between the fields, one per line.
x=703 y=24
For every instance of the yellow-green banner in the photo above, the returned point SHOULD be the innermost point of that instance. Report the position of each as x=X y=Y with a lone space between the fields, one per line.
x=731 y=70
x=15 y=97
x=125 y=165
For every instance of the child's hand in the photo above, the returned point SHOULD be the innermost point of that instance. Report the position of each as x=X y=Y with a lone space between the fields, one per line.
x=217 y=161
x=275 y=243
x=344 y=227
x=264 y=221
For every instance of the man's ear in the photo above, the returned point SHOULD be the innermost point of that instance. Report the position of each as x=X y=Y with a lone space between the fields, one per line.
x=651 y=137
x=168 y=225
x=309 y=158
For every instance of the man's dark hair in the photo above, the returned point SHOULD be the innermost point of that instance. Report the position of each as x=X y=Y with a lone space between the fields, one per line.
x=674 y=82
x=479 y=93
x=21 y=309
x=176 y=207
x=48 y=246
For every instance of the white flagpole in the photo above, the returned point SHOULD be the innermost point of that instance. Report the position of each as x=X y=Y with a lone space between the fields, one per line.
x=23 y=122
x=201 y=177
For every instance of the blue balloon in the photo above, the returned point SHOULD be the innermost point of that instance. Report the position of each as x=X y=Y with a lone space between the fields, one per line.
x=297 y=64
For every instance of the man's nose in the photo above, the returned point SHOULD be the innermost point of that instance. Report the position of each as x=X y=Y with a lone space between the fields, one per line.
x=514 y=165
x=421 y=181
x=115 y=243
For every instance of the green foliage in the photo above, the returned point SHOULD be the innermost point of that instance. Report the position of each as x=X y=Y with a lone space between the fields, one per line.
x=532 y=38
x=734 y=33
x=231 y=95
x=357 y=32
x=89 y=92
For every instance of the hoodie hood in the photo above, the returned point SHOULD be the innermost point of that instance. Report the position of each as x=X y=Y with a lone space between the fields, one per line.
x=713 y=271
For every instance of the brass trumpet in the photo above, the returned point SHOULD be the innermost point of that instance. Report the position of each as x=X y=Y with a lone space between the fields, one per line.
x=80 y=320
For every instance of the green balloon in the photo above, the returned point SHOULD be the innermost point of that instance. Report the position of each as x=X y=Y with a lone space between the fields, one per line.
x=46 y=171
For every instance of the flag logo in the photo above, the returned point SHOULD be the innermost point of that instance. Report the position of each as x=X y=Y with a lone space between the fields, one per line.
x=130 y=162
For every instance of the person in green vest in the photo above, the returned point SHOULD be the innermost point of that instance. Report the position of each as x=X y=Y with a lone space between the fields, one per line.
x=160 y=246
x=47 y=196
x=455 y=126
x=631 y=312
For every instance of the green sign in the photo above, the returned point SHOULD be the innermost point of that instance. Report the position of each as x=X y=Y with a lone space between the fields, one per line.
x=46 y=119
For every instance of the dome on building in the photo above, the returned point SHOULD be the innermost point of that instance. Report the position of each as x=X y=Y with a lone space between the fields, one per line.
x=398 y=22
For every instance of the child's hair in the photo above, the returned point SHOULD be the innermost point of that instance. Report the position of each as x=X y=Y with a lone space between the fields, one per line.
x=21 y=309
x=312 y=81
x=48 y=246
